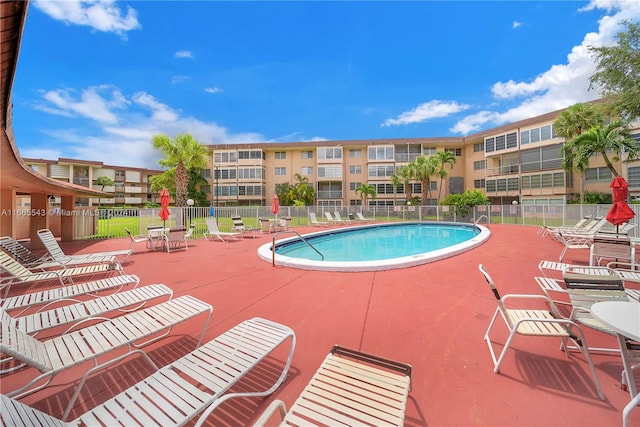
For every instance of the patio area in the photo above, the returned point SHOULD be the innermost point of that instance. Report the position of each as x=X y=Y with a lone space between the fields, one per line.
x=432 y=316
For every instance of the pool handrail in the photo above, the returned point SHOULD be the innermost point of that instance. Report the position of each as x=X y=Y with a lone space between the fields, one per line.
x=273 y=245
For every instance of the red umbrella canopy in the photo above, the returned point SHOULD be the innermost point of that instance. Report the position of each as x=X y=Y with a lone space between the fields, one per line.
x=620 y=212
x=165 y=198
x=275 y=205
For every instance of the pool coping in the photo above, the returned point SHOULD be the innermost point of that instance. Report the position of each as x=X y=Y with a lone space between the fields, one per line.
x=265 y=253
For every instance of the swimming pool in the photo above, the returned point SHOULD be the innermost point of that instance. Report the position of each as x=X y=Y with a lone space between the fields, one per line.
x=376 y=247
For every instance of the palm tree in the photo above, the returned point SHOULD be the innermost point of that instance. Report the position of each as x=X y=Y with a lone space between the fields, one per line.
x=571 y=123
x=403 y=176
x=183 y=153
x=305 y=195
x=576 y=120
x=443 y=159
x=614 y=139
x=425 y=168
x=366 y=191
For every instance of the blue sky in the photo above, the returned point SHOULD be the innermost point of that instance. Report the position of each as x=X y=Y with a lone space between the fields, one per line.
x=97 y=79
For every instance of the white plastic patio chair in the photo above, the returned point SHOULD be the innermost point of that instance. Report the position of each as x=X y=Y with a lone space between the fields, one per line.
x=214 y=232
x=534 y=323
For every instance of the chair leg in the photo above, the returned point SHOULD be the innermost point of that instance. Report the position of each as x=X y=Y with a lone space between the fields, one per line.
x=626 y=412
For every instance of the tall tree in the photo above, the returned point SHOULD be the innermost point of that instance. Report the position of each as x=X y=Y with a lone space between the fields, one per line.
x=183 y=153
x=618 y=71
x=614 y=139
x=425 y=168
x=576 y=120
x=305 y=195
x=443 y=158
x=366 y=191
x=403 y=176
x=571 y=123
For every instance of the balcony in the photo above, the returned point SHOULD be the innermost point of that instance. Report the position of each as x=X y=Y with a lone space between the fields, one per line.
x=331 y=194
x=503 y=170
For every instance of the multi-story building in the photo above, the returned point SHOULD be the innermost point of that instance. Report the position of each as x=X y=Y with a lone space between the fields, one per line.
x=516 y=163
x=131 y=185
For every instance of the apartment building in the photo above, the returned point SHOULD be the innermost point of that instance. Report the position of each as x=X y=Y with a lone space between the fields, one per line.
x=516 y=163
x=131 y=185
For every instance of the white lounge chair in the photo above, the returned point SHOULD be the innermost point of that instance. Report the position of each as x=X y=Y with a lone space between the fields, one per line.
x=193 y=385
x=213 y=231
x=362 y=218
x=573 y=241
x=314 y=220
x=338 y=218
x=34 y=262
x=56 y=354
x=532 y=322
x=16 y=273
x=239 y=226
x=131 y=300
x=349 y=388
x=332 y=219
x=55 y=251
x=91 y=289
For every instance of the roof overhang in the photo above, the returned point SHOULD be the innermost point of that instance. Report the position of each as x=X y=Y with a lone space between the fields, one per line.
x=15 y=174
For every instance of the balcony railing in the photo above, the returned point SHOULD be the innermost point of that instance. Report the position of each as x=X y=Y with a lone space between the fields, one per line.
x=333 y=194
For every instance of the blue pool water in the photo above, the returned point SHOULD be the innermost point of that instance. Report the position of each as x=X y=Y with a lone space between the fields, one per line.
x=376 y=247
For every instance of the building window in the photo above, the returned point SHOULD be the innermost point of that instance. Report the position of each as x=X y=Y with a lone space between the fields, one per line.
x=478 y=147
x=633 y=175
x=355 y=152
x=380 y=153
x=227 y=157
x=330 y=172
x=428 y=151
x=479 y=165
x=598 y=174
x=543 y=133
x=281 y=171
x=478 y=183
x=205 y=188
x=307 y=171
x=354 y=185
x=281 y=155
x=205 y=173
x=307 y=154
x=455 y=151
x=330 y=153
x=251 y=155
x=380 y=170
x=355 y=169
x=250 y=173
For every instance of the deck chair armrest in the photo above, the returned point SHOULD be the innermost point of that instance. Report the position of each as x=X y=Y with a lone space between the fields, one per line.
x=276 y=405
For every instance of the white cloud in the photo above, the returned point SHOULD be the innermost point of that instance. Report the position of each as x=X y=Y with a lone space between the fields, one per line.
x=516 y=24
x=179 y=79
x=184 y=54
x=213 y=90
x=95 y=102
x=101 y=15
x=561 y=85
x=125 y=126
x=426 y=111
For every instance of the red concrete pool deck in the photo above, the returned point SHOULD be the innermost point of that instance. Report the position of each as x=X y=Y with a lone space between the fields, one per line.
x=432 y=316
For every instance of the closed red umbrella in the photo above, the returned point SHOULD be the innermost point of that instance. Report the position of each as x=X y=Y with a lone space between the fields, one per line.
x=275 y=205
x=620 y=212
x=165 y=198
